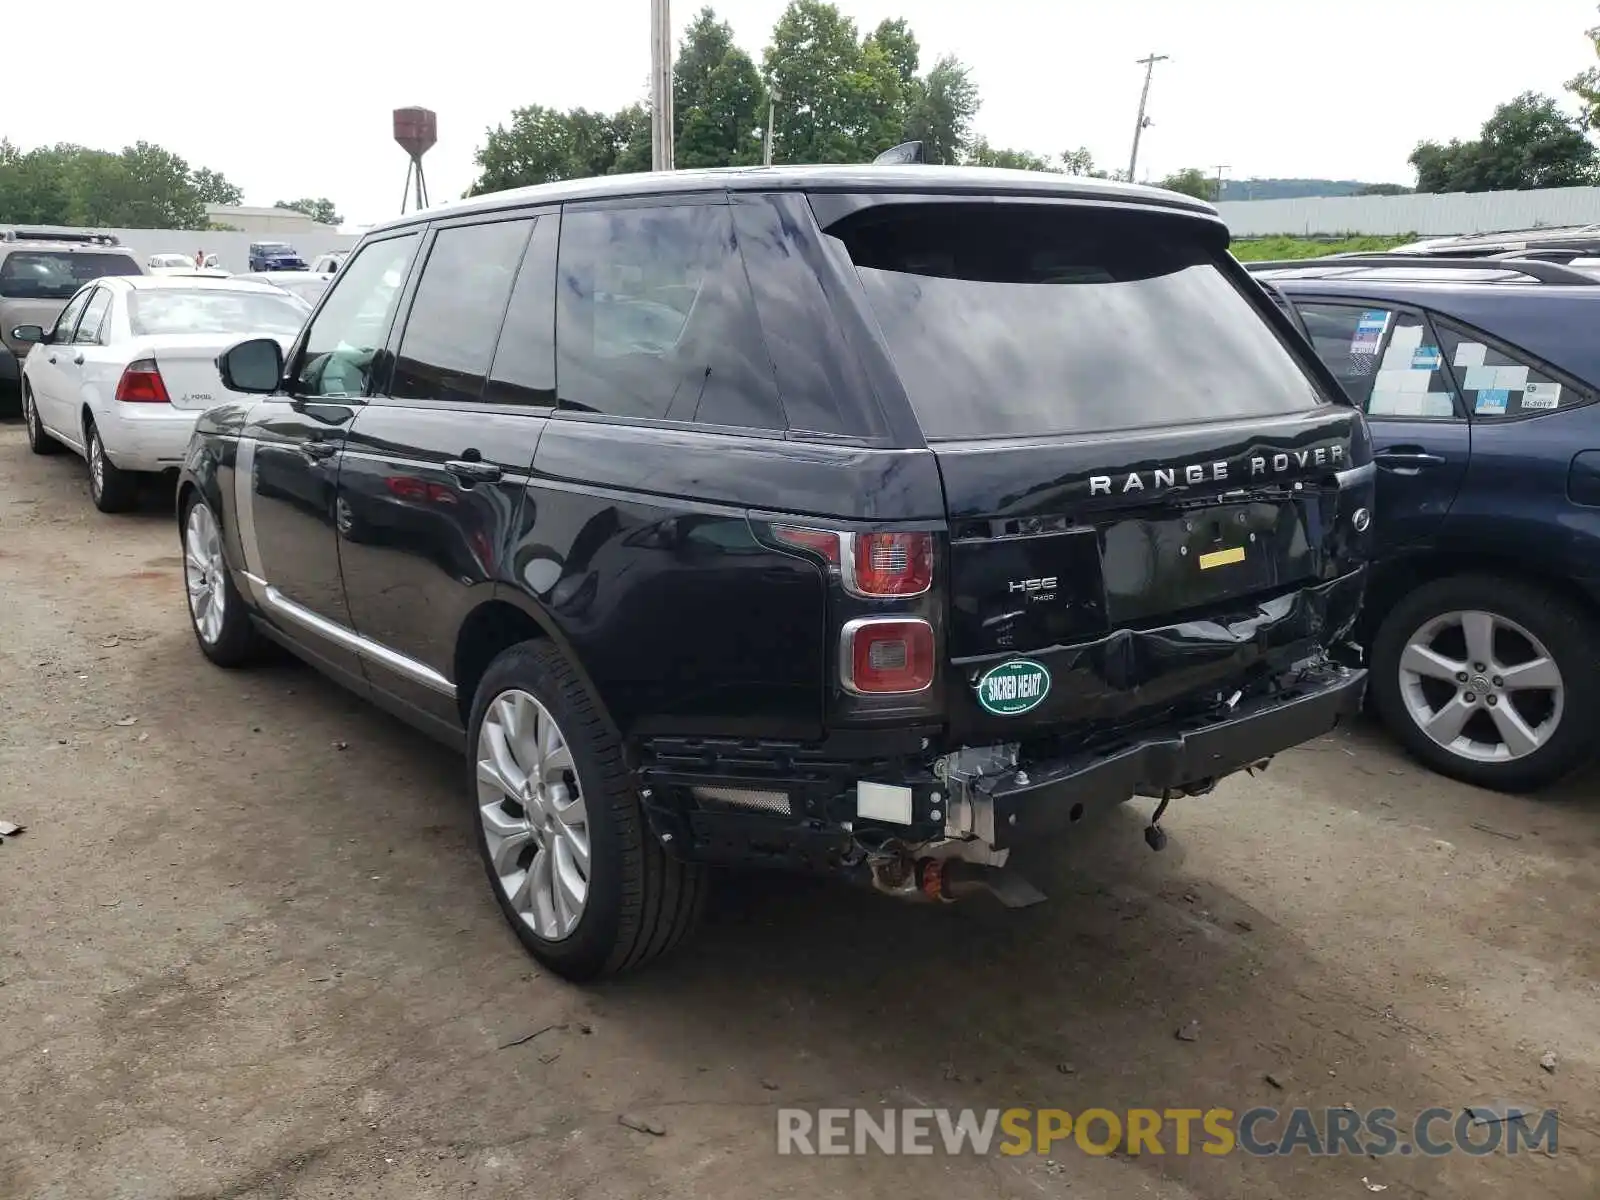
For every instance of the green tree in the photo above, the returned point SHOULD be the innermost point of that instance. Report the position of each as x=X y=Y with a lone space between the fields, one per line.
x=940 y=110
x=34 y=188
x=632 y=127
x=982 y=154
x=543 y=145
x=1383 y=189
x=1192 y=181
x=718 y=101
x=842 y=100
x=142 y=187
x=213 y=188
x=1586 y=86
x=1527 y=142
x=320 y=209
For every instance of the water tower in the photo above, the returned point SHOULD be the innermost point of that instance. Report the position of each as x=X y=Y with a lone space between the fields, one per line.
x=416 y=129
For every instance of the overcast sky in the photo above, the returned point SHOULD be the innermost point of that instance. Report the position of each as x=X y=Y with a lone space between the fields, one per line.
x=293 y=99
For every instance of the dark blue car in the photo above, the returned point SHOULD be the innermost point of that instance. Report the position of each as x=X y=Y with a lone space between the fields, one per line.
x=1479 y=380
x=275 y=256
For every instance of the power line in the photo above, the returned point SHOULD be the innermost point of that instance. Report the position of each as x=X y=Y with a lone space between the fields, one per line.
x=1149 y=64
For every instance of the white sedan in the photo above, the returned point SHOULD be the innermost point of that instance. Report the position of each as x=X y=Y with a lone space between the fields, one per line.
x=131 y=363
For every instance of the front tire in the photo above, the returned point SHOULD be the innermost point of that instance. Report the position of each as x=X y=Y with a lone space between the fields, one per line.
x=217 y=614
x=585 y=885
x=112 y=489
x=1489 y=681
x=39 y=441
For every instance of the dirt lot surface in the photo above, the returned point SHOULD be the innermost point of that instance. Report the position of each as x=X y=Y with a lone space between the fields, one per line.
x=246 y=950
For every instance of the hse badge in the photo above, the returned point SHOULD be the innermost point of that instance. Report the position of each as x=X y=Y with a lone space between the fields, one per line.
x=1013 y=687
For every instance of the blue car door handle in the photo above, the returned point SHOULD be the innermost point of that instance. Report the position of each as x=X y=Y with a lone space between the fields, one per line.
x=1407 y=460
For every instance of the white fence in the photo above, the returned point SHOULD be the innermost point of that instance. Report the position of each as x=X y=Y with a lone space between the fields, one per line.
x=232 y=249
x=1429 y=215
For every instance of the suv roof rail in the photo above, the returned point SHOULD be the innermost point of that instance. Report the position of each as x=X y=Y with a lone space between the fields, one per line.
x=1544 y=272
x=24 y=234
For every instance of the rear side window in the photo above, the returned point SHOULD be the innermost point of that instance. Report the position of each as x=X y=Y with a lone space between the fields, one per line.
x=654 y=319
x=1017 y=321
x=1387 y=360
x=1498 y=385
x=56 y=274
x=455 y=317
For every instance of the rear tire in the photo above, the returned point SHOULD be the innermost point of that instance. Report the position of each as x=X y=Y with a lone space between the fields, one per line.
x=39 y=441
x=636 y=902
x=112 y=489
x=1517 y=736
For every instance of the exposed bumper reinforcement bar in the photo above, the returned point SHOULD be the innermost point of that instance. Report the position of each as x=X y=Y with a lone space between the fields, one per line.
x=1043 y=798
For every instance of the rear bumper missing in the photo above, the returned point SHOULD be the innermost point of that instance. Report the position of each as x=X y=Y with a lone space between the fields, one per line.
x=1039 y=799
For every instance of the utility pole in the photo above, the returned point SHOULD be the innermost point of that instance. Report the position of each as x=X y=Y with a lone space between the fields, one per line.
x=660 y=85
x=1149 y=64
x=1221 y=167
x=773 y=96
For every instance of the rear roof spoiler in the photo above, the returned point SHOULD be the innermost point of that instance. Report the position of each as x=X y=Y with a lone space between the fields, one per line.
x=1543 y=272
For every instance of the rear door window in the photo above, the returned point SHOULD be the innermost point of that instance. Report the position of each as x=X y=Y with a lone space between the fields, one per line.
x=1021 y=320
x=56 y=274
x=1387 y=360
x=94 y=316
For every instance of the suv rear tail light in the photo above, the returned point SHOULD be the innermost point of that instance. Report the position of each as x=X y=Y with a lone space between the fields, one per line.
x=873 y=565
x=141 y=383
x=888 y=564
x=886 y=656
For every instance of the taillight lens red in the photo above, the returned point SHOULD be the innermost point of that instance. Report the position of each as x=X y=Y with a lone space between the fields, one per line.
x=141 y=383
x=875 y=565
x=819 y=541
x=886 y=655
x=890 y=564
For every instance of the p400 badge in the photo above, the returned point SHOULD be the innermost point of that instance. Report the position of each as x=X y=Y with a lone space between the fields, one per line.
x=1014 y=687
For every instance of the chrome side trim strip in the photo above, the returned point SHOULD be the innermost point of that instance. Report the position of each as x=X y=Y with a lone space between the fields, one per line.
x=399 y=663
x=1352 y=476
x=244 y=509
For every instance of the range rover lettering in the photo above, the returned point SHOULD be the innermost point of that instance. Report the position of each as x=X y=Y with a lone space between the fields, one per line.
x=863 y=520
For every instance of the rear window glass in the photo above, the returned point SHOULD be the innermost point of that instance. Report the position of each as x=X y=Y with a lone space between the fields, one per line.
x=1014 y=321
x=56 y=274
x=214 y=310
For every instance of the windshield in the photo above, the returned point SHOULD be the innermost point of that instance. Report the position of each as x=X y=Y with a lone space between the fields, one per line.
x=56 y=274
x=1020 y=320
x=310 y=290
x=275 y=248
x=214 y=310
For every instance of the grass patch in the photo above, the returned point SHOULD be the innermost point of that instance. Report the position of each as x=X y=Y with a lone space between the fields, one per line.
x=1268 y=249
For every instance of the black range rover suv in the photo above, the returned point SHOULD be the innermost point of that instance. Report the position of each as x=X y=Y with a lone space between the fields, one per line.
x=867 y=520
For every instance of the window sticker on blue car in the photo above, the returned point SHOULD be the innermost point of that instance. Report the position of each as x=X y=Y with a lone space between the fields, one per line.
x=1369 y=331
x=1492 y=402
x=1511 y=377
x=1541 y=395
x=1470 y=354
x=1479 y=377
x=1426 y=358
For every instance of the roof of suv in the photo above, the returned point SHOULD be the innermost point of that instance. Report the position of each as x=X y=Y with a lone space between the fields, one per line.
x=1548 y=319
x=977 y=181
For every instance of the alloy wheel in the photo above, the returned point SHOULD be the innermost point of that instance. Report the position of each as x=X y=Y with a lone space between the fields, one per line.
x=1481 y=686
x=534 y=814
x=29 y=417
x=205 y=574
x=97 y=463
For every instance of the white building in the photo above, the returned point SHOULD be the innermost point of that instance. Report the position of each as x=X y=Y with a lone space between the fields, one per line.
x=250 y=219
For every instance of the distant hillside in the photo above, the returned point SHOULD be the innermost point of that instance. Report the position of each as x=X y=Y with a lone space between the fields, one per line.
x=1289 y=189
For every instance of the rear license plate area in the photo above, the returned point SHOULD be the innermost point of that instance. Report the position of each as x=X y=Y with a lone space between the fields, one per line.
x=1206 y=555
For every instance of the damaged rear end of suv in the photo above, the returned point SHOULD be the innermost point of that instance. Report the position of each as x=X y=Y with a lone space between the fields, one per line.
x=1150 y=549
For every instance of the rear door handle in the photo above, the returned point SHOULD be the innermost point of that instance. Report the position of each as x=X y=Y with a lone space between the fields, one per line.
x=320 y=449
x=52 y=358
x=1407 y=462
x=471 y=470
x=78 y=358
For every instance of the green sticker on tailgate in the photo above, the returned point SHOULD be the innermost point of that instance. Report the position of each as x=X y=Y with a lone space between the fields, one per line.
x=1013 y=687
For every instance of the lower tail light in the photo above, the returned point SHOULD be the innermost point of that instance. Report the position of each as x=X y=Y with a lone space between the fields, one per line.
x=141 y=383
x=880 y=656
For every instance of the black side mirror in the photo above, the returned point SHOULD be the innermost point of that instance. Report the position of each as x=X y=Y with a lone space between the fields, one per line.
x=28 y=333
x=254 y=367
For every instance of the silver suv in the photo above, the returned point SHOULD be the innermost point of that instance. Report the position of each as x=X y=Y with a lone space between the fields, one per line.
x=40 y=269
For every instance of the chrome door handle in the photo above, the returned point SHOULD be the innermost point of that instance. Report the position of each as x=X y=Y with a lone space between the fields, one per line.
x=320 y=449
x=472 y=470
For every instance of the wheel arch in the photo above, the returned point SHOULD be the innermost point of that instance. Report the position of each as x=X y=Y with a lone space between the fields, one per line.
x=1391 y=581
x=502 y=620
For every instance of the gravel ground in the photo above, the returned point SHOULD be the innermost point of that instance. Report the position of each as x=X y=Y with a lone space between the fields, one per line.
x=246 y=950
